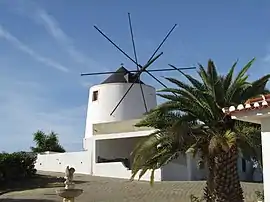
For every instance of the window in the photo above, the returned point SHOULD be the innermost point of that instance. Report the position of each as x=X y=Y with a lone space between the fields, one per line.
x=95 y=95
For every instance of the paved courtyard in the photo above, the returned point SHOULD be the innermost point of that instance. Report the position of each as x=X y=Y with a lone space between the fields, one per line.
x=98 y=189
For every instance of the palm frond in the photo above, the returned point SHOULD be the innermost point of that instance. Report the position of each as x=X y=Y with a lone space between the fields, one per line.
x=191 y=119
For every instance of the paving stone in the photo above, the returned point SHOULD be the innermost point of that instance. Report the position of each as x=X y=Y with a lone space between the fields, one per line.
x=99 y=189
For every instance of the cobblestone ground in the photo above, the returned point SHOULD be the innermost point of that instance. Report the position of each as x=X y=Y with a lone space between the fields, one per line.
x=98 y=189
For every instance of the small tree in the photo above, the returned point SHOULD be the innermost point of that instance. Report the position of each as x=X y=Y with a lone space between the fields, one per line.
x=46 y=142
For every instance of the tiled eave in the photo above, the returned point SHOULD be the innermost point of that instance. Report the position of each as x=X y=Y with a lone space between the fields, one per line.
x=255 y=104
x=246 y=107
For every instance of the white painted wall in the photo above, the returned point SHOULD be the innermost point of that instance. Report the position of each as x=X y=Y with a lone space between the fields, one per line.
x=117 y=170
x=175 y=170
x=88 y=143
x=265 y=127
x=193 y=171
x=58 y=162
x=258 y=175
x=109 y=95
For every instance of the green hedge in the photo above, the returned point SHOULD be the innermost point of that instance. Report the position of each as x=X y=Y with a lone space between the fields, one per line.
x=17 y=165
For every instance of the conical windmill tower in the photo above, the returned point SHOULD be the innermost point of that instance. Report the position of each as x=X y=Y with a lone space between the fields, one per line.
x=123 y=96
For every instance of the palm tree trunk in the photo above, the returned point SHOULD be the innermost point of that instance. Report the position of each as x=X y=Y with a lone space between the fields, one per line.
x=227 y=182
x=209 y=188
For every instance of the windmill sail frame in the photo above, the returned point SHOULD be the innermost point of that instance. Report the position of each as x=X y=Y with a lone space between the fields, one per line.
x=140 y=69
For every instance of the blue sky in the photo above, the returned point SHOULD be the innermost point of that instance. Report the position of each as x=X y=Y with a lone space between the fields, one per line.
x=45 y=45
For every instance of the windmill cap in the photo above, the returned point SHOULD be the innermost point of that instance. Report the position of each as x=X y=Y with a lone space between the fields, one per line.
x=121 y=75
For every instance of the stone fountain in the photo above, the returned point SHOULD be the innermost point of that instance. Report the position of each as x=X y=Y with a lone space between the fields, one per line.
x=69 y=193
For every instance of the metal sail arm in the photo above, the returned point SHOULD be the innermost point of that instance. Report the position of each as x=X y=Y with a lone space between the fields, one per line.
x=136 y=59
x=120 y=101
x=178 y=69
x=148 y=64
x=123 y=52
x=143 y=69
x=162 y=42
x=135 y=62
x=136 y=78
x=115 y=45
x=156 y=79
x=133 y=41
x=135 y=71
x=159 y=46
x=140 y=68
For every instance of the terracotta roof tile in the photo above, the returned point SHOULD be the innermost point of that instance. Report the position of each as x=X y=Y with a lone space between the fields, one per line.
x=251 y=104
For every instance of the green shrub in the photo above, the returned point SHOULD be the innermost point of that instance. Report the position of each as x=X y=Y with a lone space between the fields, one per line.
x=17 y=165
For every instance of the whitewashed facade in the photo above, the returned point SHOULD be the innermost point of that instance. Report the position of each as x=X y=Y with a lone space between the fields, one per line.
x=114 y=136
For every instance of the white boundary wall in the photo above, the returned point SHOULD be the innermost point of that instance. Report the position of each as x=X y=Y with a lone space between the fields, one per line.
x=117 y=170
x=57 y=162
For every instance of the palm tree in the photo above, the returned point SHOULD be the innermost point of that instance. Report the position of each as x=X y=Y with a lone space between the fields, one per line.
x=46 y=142
x=191 y=120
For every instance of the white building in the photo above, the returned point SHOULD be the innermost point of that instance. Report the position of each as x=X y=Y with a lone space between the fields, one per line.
x=109 y=139
x=257 y=110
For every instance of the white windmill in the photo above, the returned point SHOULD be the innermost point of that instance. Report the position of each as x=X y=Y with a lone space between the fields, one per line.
x=123 y=96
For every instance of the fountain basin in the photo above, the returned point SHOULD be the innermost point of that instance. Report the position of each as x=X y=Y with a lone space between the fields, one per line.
x=69 y=193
